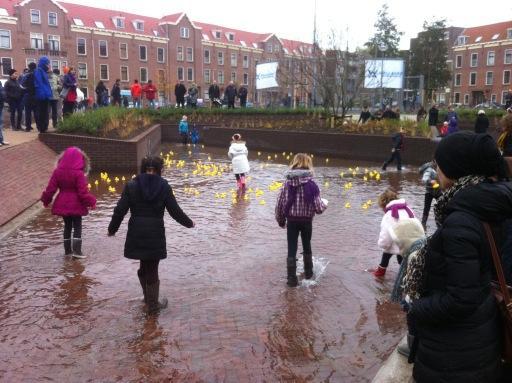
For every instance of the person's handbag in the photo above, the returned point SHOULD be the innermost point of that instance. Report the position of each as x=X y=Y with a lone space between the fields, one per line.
x=502 y=293
x=64 y=93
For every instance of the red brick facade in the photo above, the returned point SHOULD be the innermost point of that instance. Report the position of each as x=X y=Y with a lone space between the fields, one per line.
x=106 y=45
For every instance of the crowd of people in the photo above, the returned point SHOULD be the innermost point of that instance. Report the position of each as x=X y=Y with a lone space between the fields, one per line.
x=217 y=96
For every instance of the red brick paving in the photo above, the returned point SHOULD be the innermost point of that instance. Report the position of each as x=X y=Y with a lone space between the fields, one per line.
x=25 y=170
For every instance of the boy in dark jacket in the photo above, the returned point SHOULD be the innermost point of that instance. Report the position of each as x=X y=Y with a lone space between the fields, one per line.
x=14 y=96
x=398 y=144
x=147 y=197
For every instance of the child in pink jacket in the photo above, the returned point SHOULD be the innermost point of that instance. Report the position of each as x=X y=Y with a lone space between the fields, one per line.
x=74 y=199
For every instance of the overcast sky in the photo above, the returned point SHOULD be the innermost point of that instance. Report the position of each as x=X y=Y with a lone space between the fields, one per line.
x=293 y=19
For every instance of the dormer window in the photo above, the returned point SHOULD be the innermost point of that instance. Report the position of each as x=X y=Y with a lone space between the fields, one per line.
x=230 y=36
x=99 y=25
x=478 y=39
x=285 y=50
x=243 y=43
x=205 y=37
x=217 y=34
x=462 y=40
x=155 y=33
x=3 y=12
x=138 y=25
x=118 y=22
x=495 y=37
x=78 y=22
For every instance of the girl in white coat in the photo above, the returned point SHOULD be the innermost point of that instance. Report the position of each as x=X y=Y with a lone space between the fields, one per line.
x=238 y=153
x=395 y=211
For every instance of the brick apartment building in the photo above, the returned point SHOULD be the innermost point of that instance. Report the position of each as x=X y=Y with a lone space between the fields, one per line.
x=482 y=64
x=105 y=45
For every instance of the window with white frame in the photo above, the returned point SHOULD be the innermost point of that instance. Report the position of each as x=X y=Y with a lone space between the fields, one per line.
x=123 y=51
x=99 y=25
x=63 y=64
x=458 y=61
x=506 y=77
x=82 y=71
x=190 y=74
x=489 y=78
x=55 y=64
x=103 y=49
x=28 y=61
x=143 y=74
x=233 y=59
x=462 y=40
x=179 y=53
x=78 y=22
x=6 y=65
x=160 y=55
x=54 y=42
x=217 y=34
x=503 y=96
x=245 y=61
x=143 y=53
x=181 y=73
x=276 y=48
x=233 y=76
x=472 y=78
x=103 y=71
x=207 y=78
x=491 y=58
x=190 y=54
x=81 y=46
x=220 y=77
x=508 y=56
x=184 y=32
x=138 y=25
x=207 y=58
x=458 y=79
x=466 y=99
x=124 y=74
x=269 y=47
x=5 y=39
x=456 y=97
x=220 y=58
x=231 y=36
x=474 y=60
x=119 y=22
x=493 y=98
x=246 y=79
x=35 y=16
x=52 y=19
x=36 y=41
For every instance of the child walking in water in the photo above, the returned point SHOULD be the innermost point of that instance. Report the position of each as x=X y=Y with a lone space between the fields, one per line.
x=395 y=211
x=298 y=202
x=74 y=199
x=238 y=153
x=183 y=130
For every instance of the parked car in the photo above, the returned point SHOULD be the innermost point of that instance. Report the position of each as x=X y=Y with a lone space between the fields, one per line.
x=488 y=105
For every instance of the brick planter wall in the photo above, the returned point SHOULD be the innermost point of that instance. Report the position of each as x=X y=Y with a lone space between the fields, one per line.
x=106 y=153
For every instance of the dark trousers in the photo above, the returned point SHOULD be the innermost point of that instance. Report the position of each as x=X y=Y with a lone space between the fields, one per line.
x=72 y=223
x=394 y=156
x=426 y=207
x=29 y=109
x=54 y=104
x=243 y=102
x=293 y=229
x=149 y=271
x=180 y=101
x=231 y=103
x=184 y=138
x=16 y=107
x=68 y=108
x=384 y=261
x=42 y=115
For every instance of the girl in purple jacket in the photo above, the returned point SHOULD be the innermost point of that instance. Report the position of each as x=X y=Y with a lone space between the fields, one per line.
x=298 y=202
x=74 y=199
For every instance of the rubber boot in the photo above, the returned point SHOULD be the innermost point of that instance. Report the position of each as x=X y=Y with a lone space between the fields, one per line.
x=142 y=284
x=242 y=180
x=308 y=265
x=291 y=267
x=405 y=348
x=152 y=292
x=67 y=246
x=239 y=184
x=380 y=272
x=77 y=248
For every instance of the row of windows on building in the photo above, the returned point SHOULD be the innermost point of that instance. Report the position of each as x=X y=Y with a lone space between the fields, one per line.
x=491 y=59
x=464 y=40
x=489 y=78
x=494 y=98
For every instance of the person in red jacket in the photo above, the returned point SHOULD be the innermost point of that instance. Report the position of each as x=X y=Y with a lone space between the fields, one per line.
x=74 y=198
x=136 y=91
x=150 y=92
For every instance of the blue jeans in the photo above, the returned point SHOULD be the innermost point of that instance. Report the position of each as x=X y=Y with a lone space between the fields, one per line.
x=136 y=102
x=151 y=104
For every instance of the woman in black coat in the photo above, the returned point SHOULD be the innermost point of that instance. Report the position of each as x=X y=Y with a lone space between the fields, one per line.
x=147 y=197
x=481 y=122
x=448 y=283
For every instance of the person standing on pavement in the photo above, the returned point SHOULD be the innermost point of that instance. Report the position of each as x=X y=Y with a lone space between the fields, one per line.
x=230 y=94
x=43 y=94
x=192 y=96
x=2 y=100
x=482 y=122
x=29 y=102
x=433 y=119
x=179 y=92
x=116 y=93
x=242 y=95
x=56 y=86
x=101 y=94
x=214 y=95
x=69 y=95
x=14 y=96
x=150 y=93
x=136 y=91
x=147 y=197
x=364 y=116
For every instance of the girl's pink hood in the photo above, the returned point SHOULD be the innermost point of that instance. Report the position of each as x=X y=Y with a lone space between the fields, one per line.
x=72 y=158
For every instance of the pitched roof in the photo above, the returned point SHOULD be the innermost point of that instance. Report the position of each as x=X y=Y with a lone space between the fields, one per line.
x=247 y=37
x=487 y=32
x=8 y=5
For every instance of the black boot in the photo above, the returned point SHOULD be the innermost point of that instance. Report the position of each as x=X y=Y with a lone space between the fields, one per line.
x=142 y=281
x=77 y=248
x=152 y=292
x=405 y=348
x=67 y=246
x=291 y=266
x=308 y=265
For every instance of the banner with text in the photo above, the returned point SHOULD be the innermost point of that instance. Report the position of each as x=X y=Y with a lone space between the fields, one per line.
x=266 y=75
x=385 y=73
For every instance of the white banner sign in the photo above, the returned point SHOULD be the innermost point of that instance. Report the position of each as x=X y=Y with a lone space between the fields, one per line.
x=385 y=73
x=266 y=75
